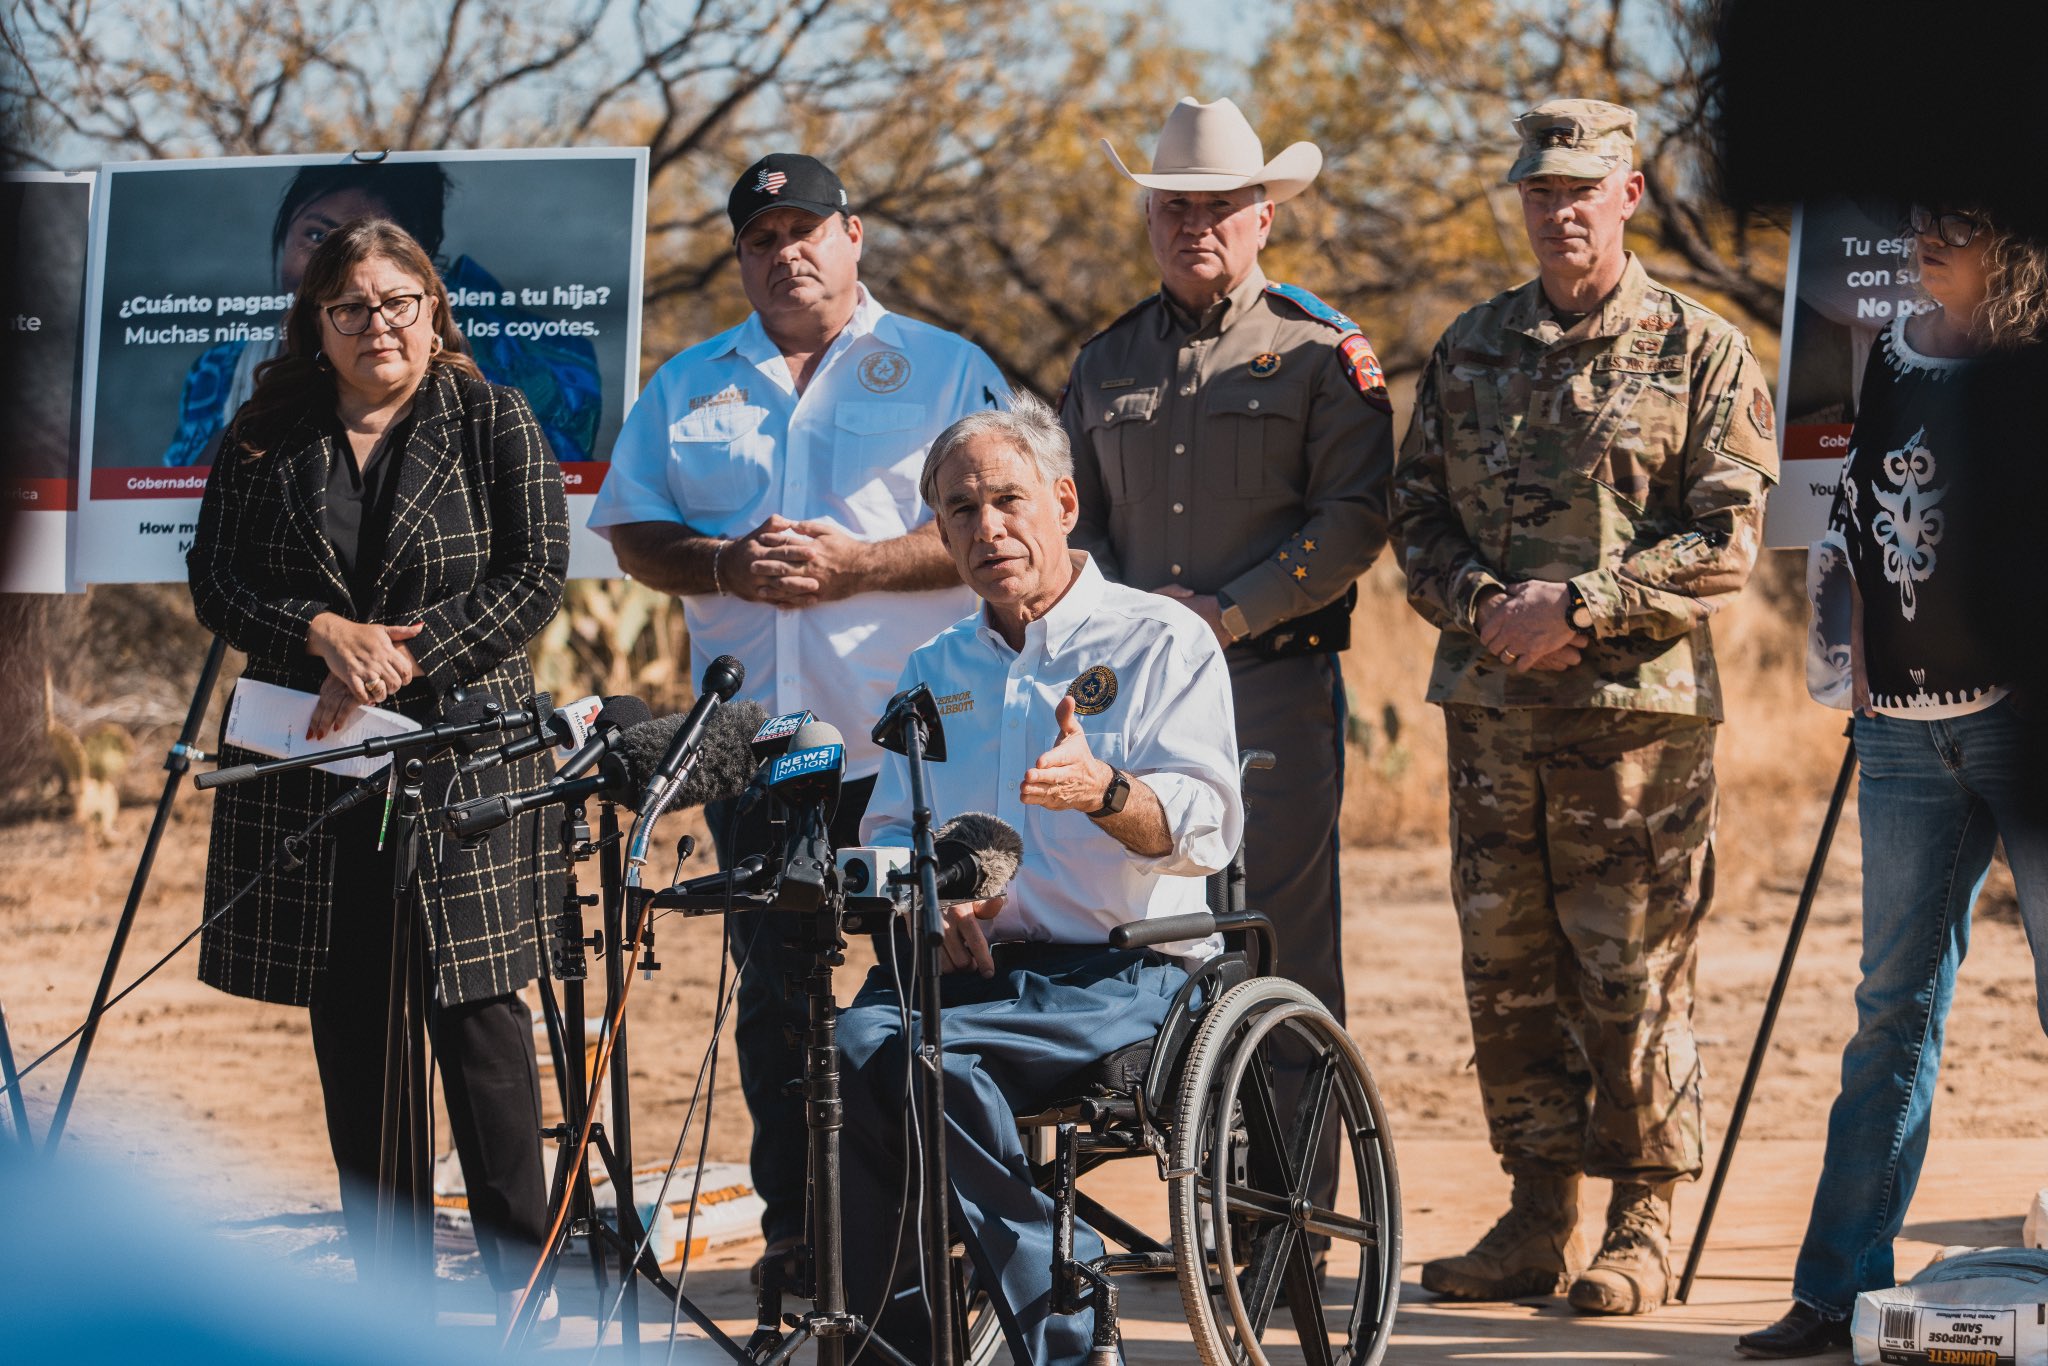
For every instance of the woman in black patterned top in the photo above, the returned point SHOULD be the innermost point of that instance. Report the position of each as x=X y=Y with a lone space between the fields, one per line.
x=1937 y=739
x=382 y=526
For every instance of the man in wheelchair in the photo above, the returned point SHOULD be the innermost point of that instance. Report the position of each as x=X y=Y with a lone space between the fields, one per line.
x=1096 y=719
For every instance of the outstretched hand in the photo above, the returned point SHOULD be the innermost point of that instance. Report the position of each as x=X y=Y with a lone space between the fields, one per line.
x=1067 y=777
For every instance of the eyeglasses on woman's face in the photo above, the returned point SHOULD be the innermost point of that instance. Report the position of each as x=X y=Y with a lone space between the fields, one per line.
x=1956 y=229
x=397 y=310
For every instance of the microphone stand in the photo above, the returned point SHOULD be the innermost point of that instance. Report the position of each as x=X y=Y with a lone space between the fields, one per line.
x=176 y=763
x=404 y=1163
x=911 y=727
x=625 y=913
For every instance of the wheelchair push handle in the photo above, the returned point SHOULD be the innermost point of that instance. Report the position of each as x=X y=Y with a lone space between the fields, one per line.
x=1249 y=759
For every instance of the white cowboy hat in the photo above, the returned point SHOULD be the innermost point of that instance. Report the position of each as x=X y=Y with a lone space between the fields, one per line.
x=1213 y=147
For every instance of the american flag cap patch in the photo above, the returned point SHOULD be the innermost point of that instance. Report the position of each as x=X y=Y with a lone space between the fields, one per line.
x=770 y=182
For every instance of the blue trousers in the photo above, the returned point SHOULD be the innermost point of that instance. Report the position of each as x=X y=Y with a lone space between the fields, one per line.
x=1011 y=1041
x=1932 y=799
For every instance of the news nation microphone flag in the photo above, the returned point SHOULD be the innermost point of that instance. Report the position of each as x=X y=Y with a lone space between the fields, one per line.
x=44 y=219
x=194 y=263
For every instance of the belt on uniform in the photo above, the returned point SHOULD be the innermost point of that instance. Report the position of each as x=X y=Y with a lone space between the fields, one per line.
x=1326 y=630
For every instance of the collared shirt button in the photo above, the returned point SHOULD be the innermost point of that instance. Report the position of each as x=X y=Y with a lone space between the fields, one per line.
x=1253 y=404
x=1187 y=388
x=1180 y=449
x=1178 y=508
x=1176 y=568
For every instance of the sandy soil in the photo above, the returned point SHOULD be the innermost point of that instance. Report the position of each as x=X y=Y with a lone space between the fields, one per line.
x=216 y=1095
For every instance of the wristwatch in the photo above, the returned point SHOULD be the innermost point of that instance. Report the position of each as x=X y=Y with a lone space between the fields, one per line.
x=1576 y=612
x=1113 y=799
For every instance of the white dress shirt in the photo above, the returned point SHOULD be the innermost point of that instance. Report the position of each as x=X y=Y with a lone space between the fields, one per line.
x=720 y=439
x=1167 y=720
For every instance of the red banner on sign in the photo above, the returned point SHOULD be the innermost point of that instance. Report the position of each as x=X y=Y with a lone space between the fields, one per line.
x=1818 y=441
x=39 y=495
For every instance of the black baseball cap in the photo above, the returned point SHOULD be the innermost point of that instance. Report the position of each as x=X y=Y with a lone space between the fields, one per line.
x=784 y=180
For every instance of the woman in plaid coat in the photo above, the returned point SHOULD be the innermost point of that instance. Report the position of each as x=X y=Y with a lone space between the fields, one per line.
x=381 y=527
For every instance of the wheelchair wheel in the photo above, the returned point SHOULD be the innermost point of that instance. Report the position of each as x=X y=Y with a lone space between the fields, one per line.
x=1239 y=1187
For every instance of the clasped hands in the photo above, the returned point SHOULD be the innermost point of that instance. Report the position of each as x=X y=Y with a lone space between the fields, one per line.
x=1067 y=777
x=1528 y=628
x=792 y=564
x=366 y=665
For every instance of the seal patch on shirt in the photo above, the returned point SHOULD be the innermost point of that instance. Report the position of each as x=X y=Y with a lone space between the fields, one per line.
x=885 y=372
x=1265 y=364
x=1093 y=691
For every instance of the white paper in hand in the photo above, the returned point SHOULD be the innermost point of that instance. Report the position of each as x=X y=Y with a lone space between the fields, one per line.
x=267 y=719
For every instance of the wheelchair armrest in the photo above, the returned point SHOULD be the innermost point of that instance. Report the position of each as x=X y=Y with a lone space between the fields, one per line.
x=1143 y=934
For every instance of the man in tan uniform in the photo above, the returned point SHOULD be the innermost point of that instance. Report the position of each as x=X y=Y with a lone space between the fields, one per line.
x=1232 y=442
x=1580 y=489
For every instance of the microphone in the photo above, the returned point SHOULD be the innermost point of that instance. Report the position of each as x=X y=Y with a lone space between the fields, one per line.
x=724 y=762
x=777 y=731
x=722 y=678
x=978 y=854
x=606 y=729
x=566 y=728
x=634 y=751
x=805 y=784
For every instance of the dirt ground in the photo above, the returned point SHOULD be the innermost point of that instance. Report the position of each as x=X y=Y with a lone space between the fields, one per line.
x=217 y=1096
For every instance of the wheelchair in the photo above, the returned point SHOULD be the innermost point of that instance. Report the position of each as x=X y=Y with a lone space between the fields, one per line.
x=1200 y=1100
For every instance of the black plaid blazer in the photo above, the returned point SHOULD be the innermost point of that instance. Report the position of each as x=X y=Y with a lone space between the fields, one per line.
x=477 y=550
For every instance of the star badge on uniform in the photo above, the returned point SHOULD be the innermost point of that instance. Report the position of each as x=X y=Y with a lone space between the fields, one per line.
x=1265 y=364
x=1300 y=572
x=1309 y=546
x=1094 y=690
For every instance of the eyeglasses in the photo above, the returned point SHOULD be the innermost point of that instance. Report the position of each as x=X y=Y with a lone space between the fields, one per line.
x=1956 y=229
x=397 y=310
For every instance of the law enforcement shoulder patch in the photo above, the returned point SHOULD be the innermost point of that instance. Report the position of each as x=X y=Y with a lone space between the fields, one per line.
x=1314 y=307
x=1361 y=365
x=1093 y=691
x=1363 y=368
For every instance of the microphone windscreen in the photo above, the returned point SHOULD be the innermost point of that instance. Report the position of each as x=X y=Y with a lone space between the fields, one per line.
x=641 y=747
x=814 y=734
x=997 y=846
x=725 y=759
x=622 y=712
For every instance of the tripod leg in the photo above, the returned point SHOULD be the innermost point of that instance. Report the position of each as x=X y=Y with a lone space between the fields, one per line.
x=1770 y=1019
x=176 y=763
x=12 y=1079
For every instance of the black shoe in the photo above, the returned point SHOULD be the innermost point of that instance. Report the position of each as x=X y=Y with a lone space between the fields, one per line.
x=1803 y=1332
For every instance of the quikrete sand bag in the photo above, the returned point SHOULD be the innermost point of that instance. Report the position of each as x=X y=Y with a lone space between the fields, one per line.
x=1988 y=1307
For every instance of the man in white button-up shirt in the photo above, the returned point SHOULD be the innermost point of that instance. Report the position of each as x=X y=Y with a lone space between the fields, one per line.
x=769 y=477
x=1096 y=719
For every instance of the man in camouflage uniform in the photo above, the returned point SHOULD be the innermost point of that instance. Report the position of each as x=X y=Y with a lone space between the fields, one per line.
x=1232 y=442
x=1580 y=489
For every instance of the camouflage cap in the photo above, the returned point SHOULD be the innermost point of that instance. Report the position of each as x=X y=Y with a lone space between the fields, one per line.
x=1584 y=139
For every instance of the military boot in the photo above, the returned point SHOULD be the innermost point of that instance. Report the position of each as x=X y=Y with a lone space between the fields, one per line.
x=1631 y=1274
x=1535 y=1249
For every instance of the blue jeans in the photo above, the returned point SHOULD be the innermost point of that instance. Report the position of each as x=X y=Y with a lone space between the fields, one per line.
x=1933 y=798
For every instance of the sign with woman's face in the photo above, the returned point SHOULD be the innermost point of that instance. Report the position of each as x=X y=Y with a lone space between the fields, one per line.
x=194 y=263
